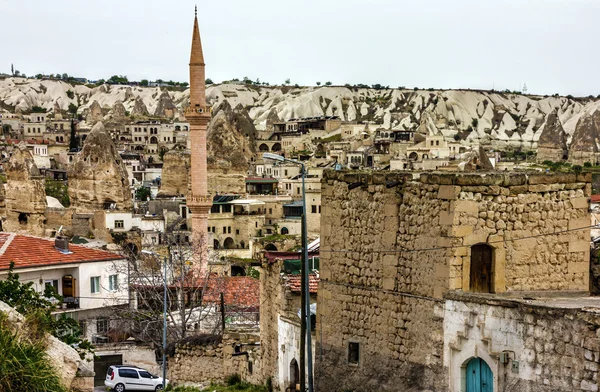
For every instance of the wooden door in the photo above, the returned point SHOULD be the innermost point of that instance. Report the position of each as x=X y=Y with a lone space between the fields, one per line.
x=479 y=376
x=481 y=269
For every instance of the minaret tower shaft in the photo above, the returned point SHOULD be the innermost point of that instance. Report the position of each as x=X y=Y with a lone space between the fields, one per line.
x=198 y=115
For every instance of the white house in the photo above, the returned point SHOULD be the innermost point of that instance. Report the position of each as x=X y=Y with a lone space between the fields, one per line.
x=91 y=281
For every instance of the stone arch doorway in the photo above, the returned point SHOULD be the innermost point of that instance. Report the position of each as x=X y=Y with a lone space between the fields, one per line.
x=263 y=147
x=236 y=270
x=276 y=147
x=271 y=247
x=284 y=231
x=481 y=274
x=228 y=243
x=294 y=375
x=479 y=376
x=413 y=156
x=216 y=244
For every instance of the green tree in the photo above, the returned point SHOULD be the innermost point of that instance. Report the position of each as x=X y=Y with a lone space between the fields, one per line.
x=70 y=94
x=38 y=109
x=318 y=83
x=587 y=164
x=39 y=76
x=73 y=139
x=208 y=81
x=38 y=308
x=143 y=193
x=118 y=79
x=287 y=81
x=327 y=83
x=59 y=190
x=144 y=82
x=73 y=108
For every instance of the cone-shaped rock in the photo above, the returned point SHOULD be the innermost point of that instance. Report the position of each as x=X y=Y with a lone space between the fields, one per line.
x=165 y=107
x=94 y=113
x=139 y=108
x=97 y=177
x=25 y=194
x=552 y=144
x=584 y=145
x=175 y=174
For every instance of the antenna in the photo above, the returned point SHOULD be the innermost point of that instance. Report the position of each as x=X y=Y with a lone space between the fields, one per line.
x=524 y=88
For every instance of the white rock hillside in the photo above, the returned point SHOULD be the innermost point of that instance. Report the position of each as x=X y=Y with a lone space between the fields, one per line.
x=501 y=119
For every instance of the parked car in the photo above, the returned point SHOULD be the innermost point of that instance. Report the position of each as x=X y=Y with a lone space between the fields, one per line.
x=130 y=378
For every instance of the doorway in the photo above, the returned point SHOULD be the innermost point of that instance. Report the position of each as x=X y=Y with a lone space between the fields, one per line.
x=479 y=376
x=294 y=375
x=481 y=269
x=101 y=365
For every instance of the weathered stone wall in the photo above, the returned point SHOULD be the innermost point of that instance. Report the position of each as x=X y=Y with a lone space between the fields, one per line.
x=214 y=361
x=389 y=254
x=553 y=348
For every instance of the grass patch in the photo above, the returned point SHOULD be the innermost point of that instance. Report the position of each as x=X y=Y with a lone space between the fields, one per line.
x=278 y=237
x=334 y=138
x=238 y=387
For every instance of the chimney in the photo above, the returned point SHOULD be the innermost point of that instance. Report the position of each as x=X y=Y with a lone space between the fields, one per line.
x=61 y=243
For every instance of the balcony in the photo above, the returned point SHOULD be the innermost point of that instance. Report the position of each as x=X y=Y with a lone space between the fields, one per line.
x=70 y=303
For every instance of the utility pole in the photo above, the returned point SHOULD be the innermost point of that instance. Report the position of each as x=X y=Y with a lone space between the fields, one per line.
x=303 y=326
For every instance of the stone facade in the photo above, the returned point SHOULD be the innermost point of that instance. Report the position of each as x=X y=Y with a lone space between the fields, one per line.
x=529 y=345
x=391 y=246
x=175 y=174
x=216 y=359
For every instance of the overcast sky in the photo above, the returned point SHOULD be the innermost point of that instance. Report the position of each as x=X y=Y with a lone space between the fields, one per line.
x=552 y=45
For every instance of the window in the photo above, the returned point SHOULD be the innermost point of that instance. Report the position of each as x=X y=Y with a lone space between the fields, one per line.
x=119 y=224
x=113 y=282
x=224 y=230
x=313 y=209
x=229 y=230
x=128 y=373
x=145 y=374
x=101 y=326
x=95 y=284
x=353 y=353
x=270 y=211
x=237 y=231
x=83 y=327
x=53 y=284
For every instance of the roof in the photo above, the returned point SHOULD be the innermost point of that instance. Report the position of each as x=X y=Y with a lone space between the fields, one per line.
x=294 y=283
x=241 y=291
x=28 y=251
x=314 y=246
x=297 y=203
x=260 y=180
x=595 y=198
x=247 y=201
x=218 y=199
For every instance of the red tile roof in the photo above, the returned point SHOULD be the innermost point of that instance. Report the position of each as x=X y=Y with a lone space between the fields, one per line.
x=293 y=282
x=242 y=291
x=27 y=251
x=595 y=198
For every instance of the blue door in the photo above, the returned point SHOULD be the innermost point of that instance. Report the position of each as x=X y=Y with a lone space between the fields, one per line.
x=479 y=376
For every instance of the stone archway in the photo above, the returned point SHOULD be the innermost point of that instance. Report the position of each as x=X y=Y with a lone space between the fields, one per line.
x=294 y=375
x=271 y=247
x=276 y=147
x=478 y=376
x=228 y=243
x=284 y=231
x=216 y=244
x=413 y=156
x=263 y=147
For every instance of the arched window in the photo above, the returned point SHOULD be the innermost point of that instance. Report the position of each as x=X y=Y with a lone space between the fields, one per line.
x=228 y=243
x=216 y=244
x=481 y=275
x=263 y=147
x=284 y=231
x=271 y=247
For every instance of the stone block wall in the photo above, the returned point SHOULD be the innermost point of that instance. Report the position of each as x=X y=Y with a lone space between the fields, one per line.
x=393 y=245
x=215 y=361
x=547 y=347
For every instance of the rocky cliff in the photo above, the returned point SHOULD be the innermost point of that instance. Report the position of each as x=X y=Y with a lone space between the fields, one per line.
x=175 y=174
x=586 y=139
x=97 y=175
x=502 y=120
x=552 y=144
x=25 y=194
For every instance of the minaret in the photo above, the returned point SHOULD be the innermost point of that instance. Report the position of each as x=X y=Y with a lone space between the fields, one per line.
x=198 y=115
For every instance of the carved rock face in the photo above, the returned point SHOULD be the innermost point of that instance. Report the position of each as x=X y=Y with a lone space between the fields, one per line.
x=97 y=176
x=587 y=133
x=94 y=113
x=139 y=108
x=175 y=174
x=25 y=194
x=165 y=107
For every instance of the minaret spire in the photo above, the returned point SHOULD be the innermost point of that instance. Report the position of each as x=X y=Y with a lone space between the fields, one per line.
x=198 y=115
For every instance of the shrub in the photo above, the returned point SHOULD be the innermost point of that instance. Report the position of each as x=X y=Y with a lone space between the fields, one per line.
x=577 y=169
x=475 y=122
x=233 y=379
x=587 y=164
x=70 y=94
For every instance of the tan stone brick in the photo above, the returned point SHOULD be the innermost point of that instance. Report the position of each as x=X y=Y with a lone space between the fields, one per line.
x=475 y=238
x=461 y=231
x=580 y=202
x=579 y=223
x=390 y=210
x=579 y=246
x=446 y=218
x=468 y=206
x=456 y=283
x=448 y=192
x=389 y=283
x=577 y=268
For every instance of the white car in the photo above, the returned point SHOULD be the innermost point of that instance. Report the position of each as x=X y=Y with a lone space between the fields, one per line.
x=130 y=378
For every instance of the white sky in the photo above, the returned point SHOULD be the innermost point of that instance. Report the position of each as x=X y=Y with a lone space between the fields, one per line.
x=552 y=45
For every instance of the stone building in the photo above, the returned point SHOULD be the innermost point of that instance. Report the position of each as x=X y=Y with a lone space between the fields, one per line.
x=425 y=279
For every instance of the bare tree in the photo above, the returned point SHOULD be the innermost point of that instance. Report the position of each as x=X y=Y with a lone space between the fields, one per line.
x=192 y=306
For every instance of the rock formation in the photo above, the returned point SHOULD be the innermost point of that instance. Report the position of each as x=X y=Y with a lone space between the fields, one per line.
x=231 y=138
x=57 y=111
x=62 y=357
x=97 y=176
x=584 y=145
x=175 y=174
x=165 y=107
x=139 y=108
x=552 y=144
x=94 y=113
x=25 y=194
x=118 y=112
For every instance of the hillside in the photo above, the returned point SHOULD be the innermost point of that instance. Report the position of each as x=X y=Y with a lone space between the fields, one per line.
x=499 y=119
